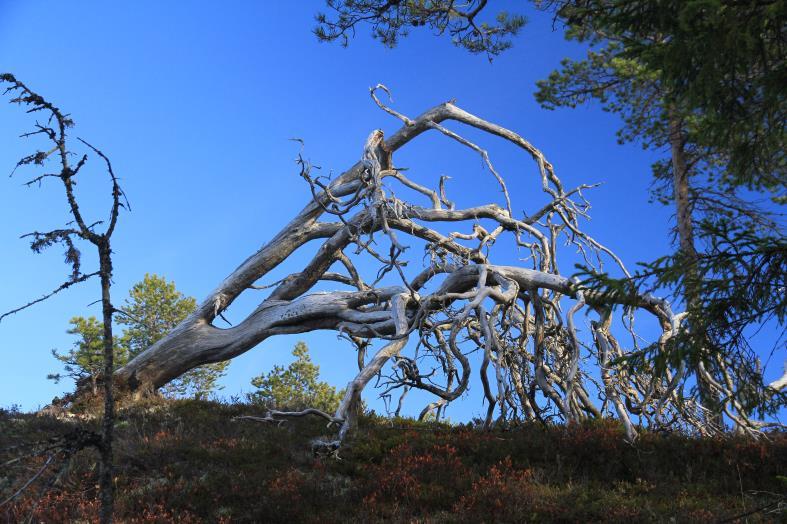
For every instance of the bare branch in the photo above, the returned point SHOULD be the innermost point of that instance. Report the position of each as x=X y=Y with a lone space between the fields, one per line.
x=57 y=290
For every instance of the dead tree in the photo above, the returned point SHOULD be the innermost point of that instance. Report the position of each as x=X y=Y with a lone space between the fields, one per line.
x=53 y=127
x=521 y=321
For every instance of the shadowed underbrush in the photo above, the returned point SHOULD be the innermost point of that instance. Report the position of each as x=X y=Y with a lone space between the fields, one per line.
x=187 y=461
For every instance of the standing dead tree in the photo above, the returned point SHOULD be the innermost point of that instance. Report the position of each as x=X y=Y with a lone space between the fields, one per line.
x=54 y=127
x=457 y=306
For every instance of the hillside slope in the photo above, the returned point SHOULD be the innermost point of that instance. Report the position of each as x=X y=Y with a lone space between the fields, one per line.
x=186 y=461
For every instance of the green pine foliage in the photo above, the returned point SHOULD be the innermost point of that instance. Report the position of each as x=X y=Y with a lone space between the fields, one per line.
x=722 y=61
x=296 y=386
x=85 y=359
x=153 y=308
x=466 y=23
x=712 y=66
x=719 y=64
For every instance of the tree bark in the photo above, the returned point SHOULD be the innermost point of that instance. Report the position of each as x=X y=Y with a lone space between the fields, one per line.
x=683 y=215
x=108 y=422
x=195 y=341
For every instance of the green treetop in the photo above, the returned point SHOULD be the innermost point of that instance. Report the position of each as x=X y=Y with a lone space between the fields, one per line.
x=297 y=386
x=153 y=308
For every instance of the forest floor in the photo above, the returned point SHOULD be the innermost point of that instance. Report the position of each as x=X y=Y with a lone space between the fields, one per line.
x=187 y=461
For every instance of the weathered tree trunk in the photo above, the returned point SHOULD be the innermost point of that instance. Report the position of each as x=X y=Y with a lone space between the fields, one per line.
x=195 y=341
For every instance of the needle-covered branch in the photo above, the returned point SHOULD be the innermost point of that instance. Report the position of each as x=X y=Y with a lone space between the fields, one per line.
x=467 y=23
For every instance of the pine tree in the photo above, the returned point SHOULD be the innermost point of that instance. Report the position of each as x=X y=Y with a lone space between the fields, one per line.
x=85 y=360
x=297 y=386
x=153 y=308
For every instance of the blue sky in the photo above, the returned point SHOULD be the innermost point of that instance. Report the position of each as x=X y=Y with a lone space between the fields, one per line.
x=195 y=102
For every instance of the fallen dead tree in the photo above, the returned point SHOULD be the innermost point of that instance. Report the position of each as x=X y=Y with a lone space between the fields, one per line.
x=457 y=302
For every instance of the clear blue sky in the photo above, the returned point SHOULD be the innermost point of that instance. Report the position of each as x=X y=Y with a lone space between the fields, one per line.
x=195 y=102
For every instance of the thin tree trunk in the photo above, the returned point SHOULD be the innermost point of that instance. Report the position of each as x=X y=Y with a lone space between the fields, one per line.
x=686 y=244
x=105 y=479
